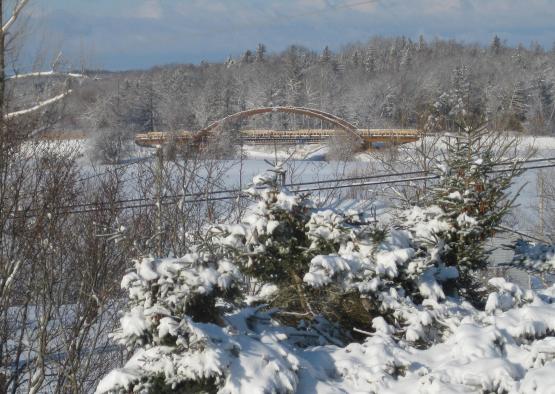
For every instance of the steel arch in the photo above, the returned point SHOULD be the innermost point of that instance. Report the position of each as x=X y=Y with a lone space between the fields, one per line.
x=333 y=119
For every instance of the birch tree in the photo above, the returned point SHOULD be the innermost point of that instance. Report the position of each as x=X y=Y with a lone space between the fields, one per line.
x=34 y=181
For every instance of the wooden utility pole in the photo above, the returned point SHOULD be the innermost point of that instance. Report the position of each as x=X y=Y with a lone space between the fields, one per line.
x=2 y=62
x=541 y=207
x=159 y=180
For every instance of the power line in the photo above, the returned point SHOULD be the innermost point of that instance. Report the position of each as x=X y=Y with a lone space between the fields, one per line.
x=238 y=193
x=522 y=234
x=117 y=168
x=356 y=178
x=420 y=172
x=336 y=180
x=369 y=183
x=202 y=194
x=524 y=168
x=210 y=199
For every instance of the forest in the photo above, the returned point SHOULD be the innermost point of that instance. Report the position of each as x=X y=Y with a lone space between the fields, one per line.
x=385 y=82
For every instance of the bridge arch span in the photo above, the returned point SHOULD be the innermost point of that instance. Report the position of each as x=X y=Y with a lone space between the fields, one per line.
x=327 y=117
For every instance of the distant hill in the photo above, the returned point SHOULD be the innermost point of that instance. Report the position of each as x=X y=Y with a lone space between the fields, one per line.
x=385 y=82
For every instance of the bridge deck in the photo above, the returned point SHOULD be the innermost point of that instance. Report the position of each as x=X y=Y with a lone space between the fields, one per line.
x=301 y=136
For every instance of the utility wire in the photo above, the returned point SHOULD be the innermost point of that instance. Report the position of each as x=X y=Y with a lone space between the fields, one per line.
x=117 y=168
x=235 y=191
x=201 y=194
x=71 y=209
x=369 y=183
x=238 y=191
x=504 y=228
x=523 y=168
x=420 y=172
x=204 y=196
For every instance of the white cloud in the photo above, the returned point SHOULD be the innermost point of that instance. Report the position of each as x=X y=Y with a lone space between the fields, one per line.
x=190 y=7
x=216 y=28
x=149 y=9
x=319 y=5
x=440 y=6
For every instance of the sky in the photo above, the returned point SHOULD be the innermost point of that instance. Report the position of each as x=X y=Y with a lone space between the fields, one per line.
x=137 y=34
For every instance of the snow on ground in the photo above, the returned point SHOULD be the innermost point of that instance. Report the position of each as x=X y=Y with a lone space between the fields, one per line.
x=508 y=348
x=308 y=163
x=498 y=351
x=485 y=352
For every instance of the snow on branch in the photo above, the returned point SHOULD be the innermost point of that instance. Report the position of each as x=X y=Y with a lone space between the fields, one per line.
x=46 y=74
x=40 y=105
x=16 y=11
x=534 y=257
x=44 y=103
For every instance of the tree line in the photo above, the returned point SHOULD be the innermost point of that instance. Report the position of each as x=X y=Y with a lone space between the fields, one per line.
x=385 y=82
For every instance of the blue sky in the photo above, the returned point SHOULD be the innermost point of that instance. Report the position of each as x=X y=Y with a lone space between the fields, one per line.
x=124 y=34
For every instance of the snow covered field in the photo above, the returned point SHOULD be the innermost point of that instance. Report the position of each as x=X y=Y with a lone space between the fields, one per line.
x=508 y=348
x=308 y=163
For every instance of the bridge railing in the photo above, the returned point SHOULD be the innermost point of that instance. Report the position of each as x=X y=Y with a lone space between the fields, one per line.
x=309 y=135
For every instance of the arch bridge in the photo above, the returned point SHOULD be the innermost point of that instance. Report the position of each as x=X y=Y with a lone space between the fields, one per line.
x=364 y=137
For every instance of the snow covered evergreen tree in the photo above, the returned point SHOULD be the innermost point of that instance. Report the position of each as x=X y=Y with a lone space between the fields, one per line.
x=536 y=258
x=320 y=262
x=516 y=107
x=370 y=61
x=169 y=300
x=326 y=55
x=277 y=242
x=190 y=331
x=496 y=45
x=472 y=197
x=260 y=53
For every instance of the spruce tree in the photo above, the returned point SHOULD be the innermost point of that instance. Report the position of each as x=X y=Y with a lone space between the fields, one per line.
x=286 y=244
x=519 y=101
x=370 y=61
x=169 y=324
x=406 y=59
x=332 y=264
x=261 y=53
x=475 y=178
x=273 y=245
x=495 y=46
x=422 y=45
x=355 y=59
x=326 y=55
x=247 y=57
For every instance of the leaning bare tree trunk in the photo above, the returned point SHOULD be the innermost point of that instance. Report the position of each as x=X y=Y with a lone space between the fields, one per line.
x=3 y=378
x=2 y=63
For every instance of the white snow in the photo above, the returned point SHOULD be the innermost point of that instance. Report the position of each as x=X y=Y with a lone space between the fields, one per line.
x=535 y=257
x=492 y=351
x=441 y=345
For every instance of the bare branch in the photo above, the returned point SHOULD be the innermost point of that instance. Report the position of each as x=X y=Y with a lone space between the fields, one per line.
x=370 y=334
x=46 y=74
x=40 y=105
x=16 y=11
x=57 y=61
